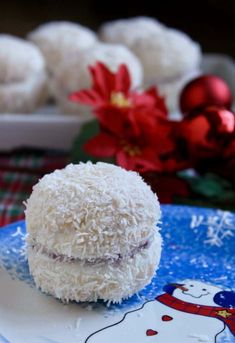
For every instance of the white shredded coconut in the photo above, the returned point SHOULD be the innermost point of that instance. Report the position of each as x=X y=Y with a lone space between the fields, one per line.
x=59 y=39
x=158 y=47
x=91 y=211
x=23 y=78
x=81 y=282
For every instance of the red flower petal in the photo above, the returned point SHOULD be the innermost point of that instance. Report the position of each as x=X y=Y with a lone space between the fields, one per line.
x=147 y=161
x=125 y=161
x=113 y=119
x=142 y=100
x=103 y=80
x=159 y=100
x=87 y=97
x=103 y=145
x=147 y=124
x=150 y=99
x=123 y=80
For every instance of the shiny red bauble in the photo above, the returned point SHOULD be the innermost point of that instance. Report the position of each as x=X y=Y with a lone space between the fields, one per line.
x=208 y=131
x=204 y=91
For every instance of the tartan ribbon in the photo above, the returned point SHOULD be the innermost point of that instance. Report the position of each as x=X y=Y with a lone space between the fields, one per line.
x=19 y=171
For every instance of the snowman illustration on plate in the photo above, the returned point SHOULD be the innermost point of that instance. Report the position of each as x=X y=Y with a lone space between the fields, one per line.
x=187 y=312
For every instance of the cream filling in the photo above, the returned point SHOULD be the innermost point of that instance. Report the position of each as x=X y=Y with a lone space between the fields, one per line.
x=91 y=261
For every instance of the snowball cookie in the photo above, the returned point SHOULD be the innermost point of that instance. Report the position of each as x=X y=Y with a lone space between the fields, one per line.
x=127 y=31
x=73 y=73
x=169 y=57
x=60 y=39
x=22 y=75
x=92 y=233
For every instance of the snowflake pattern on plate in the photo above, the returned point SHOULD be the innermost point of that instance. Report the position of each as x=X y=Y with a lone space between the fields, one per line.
x=220 y=226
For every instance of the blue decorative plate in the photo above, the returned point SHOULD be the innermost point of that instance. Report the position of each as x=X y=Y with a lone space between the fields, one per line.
x=190 y=300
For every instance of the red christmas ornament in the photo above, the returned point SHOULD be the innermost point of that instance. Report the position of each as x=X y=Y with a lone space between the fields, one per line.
x=208 y=132
x=204 y=91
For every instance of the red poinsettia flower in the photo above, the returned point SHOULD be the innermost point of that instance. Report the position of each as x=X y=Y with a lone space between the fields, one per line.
x=134 y=127
x=139 y=148
x=114 y=90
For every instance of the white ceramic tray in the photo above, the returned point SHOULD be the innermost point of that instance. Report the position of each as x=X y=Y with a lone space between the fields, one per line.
x=44 y=129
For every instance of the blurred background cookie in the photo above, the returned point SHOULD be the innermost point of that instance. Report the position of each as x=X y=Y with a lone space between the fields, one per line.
x=169 y=57
x=23 y=82
x=60 y=40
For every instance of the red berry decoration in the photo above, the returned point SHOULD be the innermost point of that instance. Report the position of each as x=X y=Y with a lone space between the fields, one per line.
x=208 y=131
x=204 y=91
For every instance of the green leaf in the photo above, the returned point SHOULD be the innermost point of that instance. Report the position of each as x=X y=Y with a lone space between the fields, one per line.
x=88 y=131
x=211 y=186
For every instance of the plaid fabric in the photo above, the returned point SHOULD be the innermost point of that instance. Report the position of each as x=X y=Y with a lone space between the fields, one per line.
x=19 y=171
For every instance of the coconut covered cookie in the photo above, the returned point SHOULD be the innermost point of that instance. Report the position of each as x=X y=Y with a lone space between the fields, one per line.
x=73 y=74
x=169 y=57
x=59 y=39
x=23 y=81
x=92 y=233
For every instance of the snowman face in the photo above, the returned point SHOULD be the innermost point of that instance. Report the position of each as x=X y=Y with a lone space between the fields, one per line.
x=196 y=292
